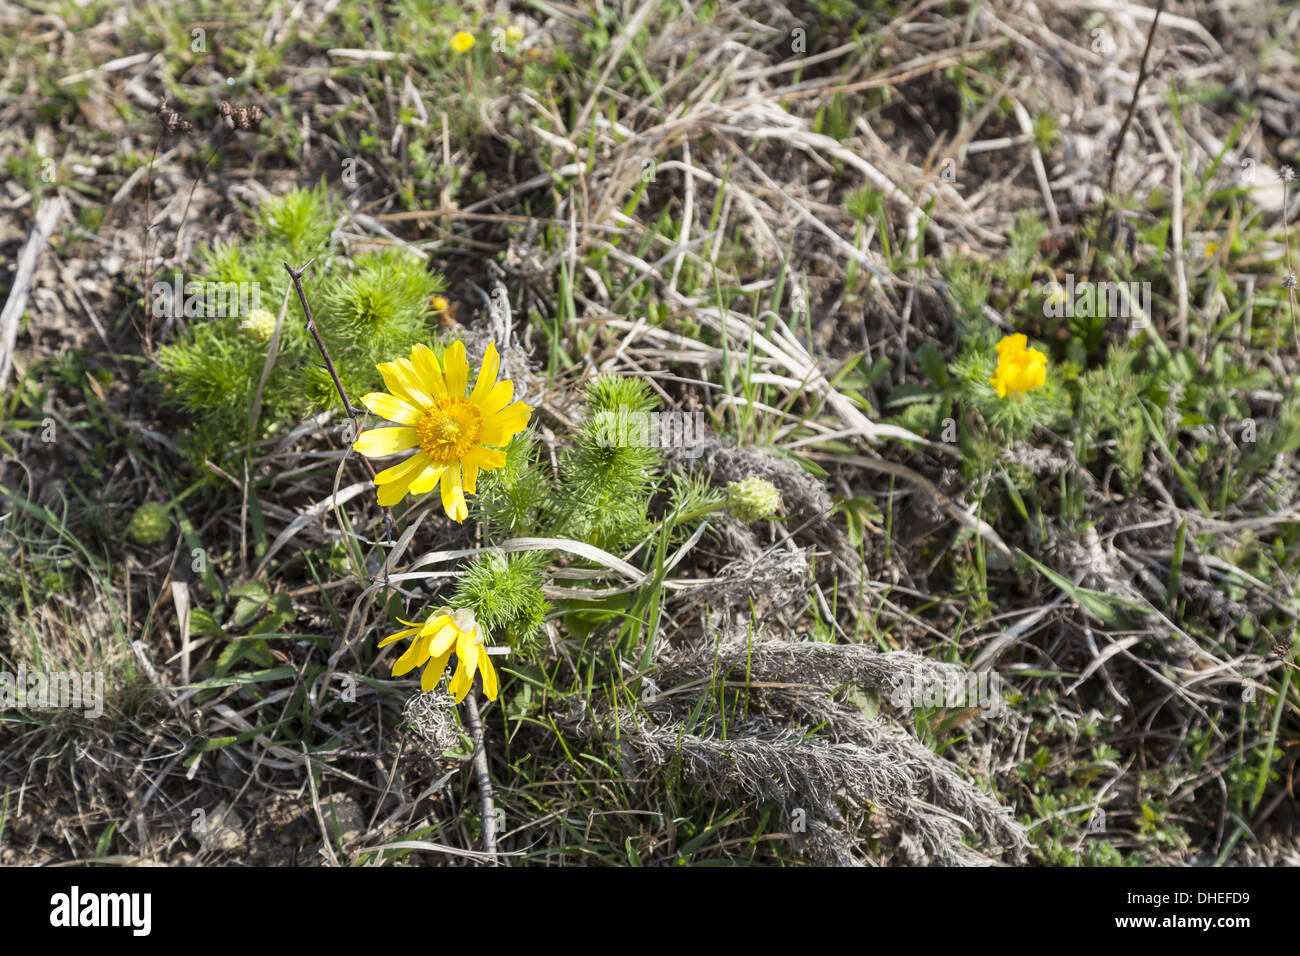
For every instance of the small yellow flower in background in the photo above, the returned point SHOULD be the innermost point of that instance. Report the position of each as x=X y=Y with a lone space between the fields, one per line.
x=456 y=435
x=1020 y=368
x=462 y=42
x=1211 y=247
x=435 y=640
x=514 y=34
x=439 y=303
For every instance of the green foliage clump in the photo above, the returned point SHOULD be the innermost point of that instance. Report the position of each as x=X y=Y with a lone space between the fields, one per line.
x=602 y=492
x=1016 y=265
x=299 y=222
x=505 y=593
x=514 y=498
x=369 y=310
x=606 y=480
x=968 y=285
x=599 y=494
x=1110 y=406
x=1014 y=416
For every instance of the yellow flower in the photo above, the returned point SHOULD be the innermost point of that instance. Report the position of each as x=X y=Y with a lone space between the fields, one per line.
x=462 y=42
x=435 y=640
x=439 y=303
x=455 y=434
x=514 y=33
x=1020 y=369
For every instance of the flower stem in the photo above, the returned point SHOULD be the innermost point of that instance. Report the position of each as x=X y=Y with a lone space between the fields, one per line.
x=481 y=777
x=295 y=275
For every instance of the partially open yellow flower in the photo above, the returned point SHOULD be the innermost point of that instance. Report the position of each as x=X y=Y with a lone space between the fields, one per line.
x=435 y=640
x=455 y=434
x=1020 y=369
x=462 y=42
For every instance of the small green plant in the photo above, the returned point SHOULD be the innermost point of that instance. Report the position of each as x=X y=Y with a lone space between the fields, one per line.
x=216 y=367
x=150 y=524
x=603 y=488
x=505 y=593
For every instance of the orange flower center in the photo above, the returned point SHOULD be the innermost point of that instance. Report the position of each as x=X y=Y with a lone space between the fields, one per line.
x=449 y=429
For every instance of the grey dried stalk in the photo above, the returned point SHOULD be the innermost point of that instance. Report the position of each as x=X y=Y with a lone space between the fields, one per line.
x=776 y=762
x=806 y=662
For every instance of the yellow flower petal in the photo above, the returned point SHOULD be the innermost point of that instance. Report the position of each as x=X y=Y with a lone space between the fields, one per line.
x=467 y=652
x=1011 y=344
x=487 y=375
x=395 y=489
x=497 y=398
x=425 y=364
x=476 y=458
x=386 y=441
x=390 y=408
x=425 y=480
x=404 y=468
x=437 y=622
x=453 y=494
x=1020 y=368
x=415 y=655
x=456 y=369
x=398 y=636
x=404 y=383
x=505 y=423
x=434 y=671
x=460 y=683
x=490 y=687
x=444 y=639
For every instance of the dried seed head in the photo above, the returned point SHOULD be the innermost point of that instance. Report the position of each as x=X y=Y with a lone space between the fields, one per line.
x=240 y=117
x=1289 y=281
x=170 y=120
x=1287 y=174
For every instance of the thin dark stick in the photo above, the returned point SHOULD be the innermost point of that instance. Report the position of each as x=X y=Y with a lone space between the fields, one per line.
x=296 y=277
x=1123 y=133
x=195 y=185
x=1132 y=105
x=145 y=274
x=1290 y=281
x=481 y=777
x=149 y=227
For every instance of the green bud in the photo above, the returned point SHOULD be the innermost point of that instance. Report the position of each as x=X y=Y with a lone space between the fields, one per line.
x=752 y=499
x=258 y=325
x=150 y=523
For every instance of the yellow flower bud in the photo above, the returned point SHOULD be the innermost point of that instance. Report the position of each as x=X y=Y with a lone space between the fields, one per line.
x=752 y=499
x=1020 y=368
x=258 y=325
